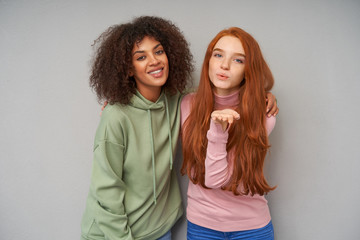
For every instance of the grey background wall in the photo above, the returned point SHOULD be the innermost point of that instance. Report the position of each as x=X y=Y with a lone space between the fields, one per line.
x=49 y=114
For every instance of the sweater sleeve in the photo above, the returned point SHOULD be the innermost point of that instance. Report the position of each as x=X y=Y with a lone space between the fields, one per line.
x=107 y=185
x=270 y=124
x=109 y=191
x=217 y=168
x=217 y=172
x=185 y=107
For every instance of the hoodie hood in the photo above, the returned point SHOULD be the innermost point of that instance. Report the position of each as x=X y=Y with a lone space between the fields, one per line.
x=140 y=102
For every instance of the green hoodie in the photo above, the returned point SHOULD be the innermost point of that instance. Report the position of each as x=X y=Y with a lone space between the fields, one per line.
x=134 y=193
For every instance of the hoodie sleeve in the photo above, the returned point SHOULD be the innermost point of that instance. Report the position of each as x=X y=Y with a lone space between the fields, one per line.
x=109 y=191
x=107 y=186
x=217 y=168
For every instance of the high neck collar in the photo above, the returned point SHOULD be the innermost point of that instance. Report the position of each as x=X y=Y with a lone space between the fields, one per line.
x=229 y=101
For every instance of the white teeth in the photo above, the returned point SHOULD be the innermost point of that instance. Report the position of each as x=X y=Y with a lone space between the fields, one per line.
x=155 y=72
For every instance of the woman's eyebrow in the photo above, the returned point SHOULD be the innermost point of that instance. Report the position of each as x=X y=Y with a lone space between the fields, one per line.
x=157 y=46
x=142 y=51
x=220 y=50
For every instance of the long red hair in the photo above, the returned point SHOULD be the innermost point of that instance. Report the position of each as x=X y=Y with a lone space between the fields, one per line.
x=247 y=137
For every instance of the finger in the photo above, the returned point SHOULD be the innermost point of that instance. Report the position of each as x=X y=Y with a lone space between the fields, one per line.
x=229 y=119
x=233 y=114
x=270 y=101
x=276 y=113
x=220 y=117
x=237 y=117
x=273 y=110
x=225 y=115
x=216 y=118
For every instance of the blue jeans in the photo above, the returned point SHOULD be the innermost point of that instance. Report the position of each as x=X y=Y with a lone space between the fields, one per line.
x=166 y=236
x=196 y=232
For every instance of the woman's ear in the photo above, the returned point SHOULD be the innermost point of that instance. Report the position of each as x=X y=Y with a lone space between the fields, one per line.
x=131 y=74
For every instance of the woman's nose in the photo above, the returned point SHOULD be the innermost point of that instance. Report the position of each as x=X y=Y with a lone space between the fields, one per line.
x=225 y=64
x=154 y=60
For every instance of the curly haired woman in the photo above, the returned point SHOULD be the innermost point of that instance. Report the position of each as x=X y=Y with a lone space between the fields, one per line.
x=225 y=141
x=142 y=69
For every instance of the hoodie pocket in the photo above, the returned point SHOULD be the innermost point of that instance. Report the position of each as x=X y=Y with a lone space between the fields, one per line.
x=92 y=231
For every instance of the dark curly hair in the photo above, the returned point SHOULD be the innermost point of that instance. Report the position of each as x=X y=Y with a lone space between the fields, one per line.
x=113 y=59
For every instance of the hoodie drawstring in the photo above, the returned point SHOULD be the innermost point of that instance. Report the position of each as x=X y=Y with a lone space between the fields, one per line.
x=152 y=155
x=170 y=142
x=152 y=145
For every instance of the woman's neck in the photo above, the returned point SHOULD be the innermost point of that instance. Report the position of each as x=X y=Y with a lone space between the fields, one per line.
x=229 y=101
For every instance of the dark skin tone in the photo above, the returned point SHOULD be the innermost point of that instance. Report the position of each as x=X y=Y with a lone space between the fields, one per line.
x=272 y=108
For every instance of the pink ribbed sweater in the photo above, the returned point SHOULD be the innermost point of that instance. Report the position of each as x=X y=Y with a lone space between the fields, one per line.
x=215 y=208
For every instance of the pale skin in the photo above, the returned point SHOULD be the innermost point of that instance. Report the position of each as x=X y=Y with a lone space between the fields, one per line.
x=225 y=117
x=226 y=72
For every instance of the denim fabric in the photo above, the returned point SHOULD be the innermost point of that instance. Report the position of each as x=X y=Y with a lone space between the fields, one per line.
x=196 y=232
x=166 y=236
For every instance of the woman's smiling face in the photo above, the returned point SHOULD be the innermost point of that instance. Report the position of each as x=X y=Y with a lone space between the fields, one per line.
x=150 y=67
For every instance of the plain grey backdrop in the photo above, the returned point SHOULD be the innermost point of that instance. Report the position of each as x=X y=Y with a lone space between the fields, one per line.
x=49 y=114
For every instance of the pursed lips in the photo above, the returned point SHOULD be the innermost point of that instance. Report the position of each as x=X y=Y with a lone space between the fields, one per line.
x=222 y=76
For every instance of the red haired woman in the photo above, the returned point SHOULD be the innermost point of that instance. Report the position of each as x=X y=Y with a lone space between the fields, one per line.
x=225 y=140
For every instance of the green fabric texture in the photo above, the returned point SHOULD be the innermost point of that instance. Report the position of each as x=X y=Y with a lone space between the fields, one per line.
x=134 y=194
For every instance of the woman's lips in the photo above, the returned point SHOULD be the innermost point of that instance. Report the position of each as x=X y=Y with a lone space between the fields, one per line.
x=221 y=76
x=157 y=72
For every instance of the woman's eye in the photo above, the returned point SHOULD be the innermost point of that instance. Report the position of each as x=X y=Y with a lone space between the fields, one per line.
x=160 y=52
x=140 y=58
x=218 y=55
x=238 y=60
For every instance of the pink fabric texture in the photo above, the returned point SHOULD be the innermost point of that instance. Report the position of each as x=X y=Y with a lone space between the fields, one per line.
x=215 y=208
